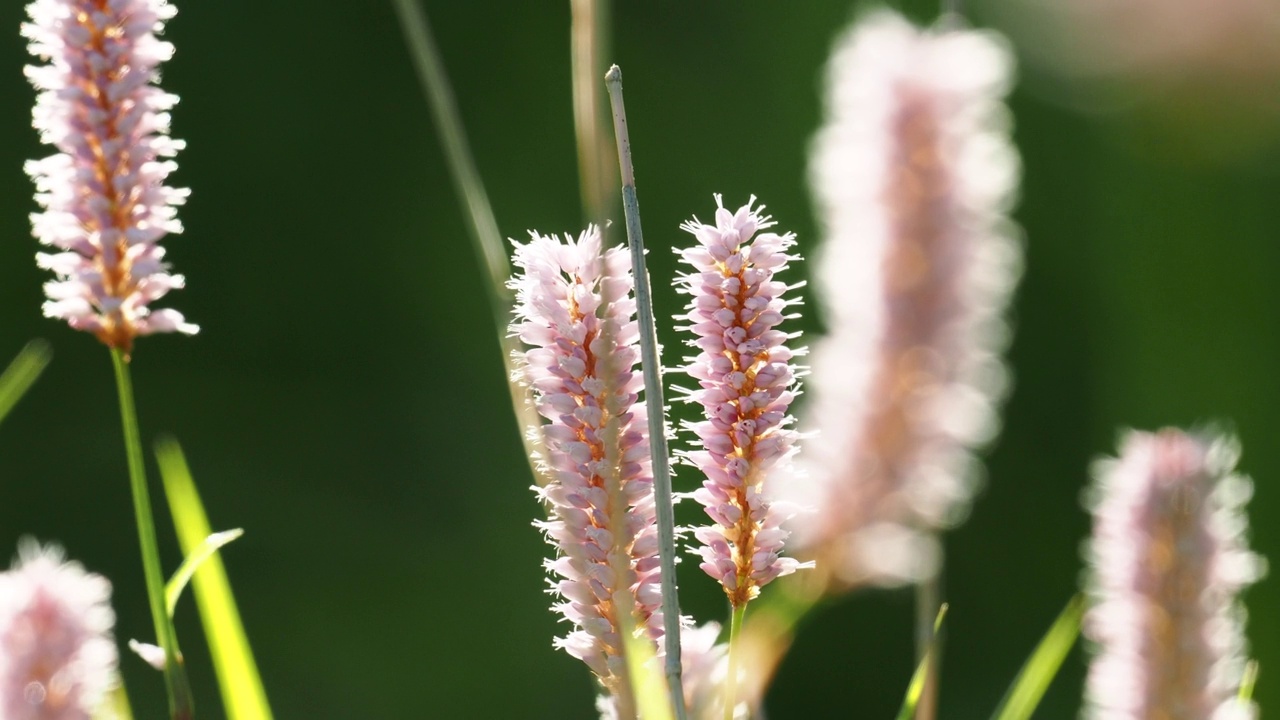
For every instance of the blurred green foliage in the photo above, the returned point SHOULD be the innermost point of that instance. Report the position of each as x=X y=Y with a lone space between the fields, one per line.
x=344 y=401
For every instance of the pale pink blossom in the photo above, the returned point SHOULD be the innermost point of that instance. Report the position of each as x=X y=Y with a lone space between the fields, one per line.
x=913 y=173
x=57 y=656
x=1168 y=558
x=106 y=205
x=746 y=383
x=704 y=666
x=575 y=312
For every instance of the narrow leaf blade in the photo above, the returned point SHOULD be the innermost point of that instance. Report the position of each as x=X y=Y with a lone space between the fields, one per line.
x=205 y=550
x=1040 y=669
x=918 y=678
x=243 y=696
x=22 y=373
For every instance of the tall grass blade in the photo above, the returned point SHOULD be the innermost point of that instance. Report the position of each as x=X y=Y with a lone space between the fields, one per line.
x=1040 y=669
x=22 y=373
x=652 y=369
x=918 y=679
x=483 y=226
x=243 y=696
x=116 y=705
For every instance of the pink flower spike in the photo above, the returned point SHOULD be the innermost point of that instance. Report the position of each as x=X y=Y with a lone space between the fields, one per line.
x=57 y=657
x=1169 y=558
x=106 y=205
x=746 y=384
x=575 y=311
x=913 y=174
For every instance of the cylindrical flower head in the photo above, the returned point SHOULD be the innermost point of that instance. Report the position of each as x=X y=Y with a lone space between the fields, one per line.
x=746 y=383
x=1168 y=558
x=912 y=173
x=575 y=311
x=57 y=657
x=106 y=205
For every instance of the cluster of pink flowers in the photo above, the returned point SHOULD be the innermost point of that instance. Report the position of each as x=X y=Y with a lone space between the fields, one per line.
x=913 y=174
x=57 y=657
x=1169 y=559
x=746 y=385
x=106 y=205
x=575 y=311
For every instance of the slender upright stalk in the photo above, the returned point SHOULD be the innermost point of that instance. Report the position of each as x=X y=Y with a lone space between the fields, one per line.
x=735 y=657
x=483 y=226
x=928 y=601
x=653 y=397
x=180 y=706
x=590 y=44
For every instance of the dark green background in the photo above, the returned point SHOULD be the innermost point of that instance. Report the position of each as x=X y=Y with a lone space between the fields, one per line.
x=345 y=402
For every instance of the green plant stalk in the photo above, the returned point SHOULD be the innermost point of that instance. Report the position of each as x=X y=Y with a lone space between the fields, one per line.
x=482 y=226
x=175 y=675
x=735 y=650
x=22 y=373
x=589 y=44
x=243 y=695
x=920 y=677
x=928 y=644
x=653 y=398
x=1033 y=679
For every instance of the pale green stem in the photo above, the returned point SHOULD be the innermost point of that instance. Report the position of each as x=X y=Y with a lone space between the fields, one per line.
x=483 y=226
x=22 y=373
x=590 y=43
x=735 y=650
x=653 y=398
x=175 y=676
x=928 y=649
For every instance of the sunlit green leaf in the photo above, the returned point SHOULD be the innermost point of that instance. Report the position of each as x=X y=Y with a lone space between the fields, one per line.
x=22 y=373
x=918 y=678
x=1034 y=678
x=115 y=706
x=204 y=551
x=647 y=682
x=243 y=696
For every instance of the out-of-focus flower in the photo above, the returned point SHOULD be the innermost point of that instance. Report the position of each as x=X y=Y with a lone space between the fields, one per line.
x=106 y=205
x=57 y=657
x=913 y=174
x=746 y=385
x=1168 y=558
x=1209 y=69
x=704 y=666
x=575 y=311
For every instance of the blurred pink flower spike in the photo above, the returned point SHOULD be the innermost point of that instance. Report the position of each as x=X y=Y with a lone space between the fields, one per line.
x=106 y=205
x=57 y=656
x=1169 y=558
x=746 y=383
x=575 y=312
x=913 y=174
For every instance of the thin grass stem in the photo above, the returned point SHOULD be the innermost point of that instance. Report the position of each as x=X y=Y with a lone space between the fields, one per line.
x=928 y=645
x=735 y=653
x=175 y=675
x=483 y=226
x=653 y=397
x=589 y=45
x=243 y=695
x=22 y=374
